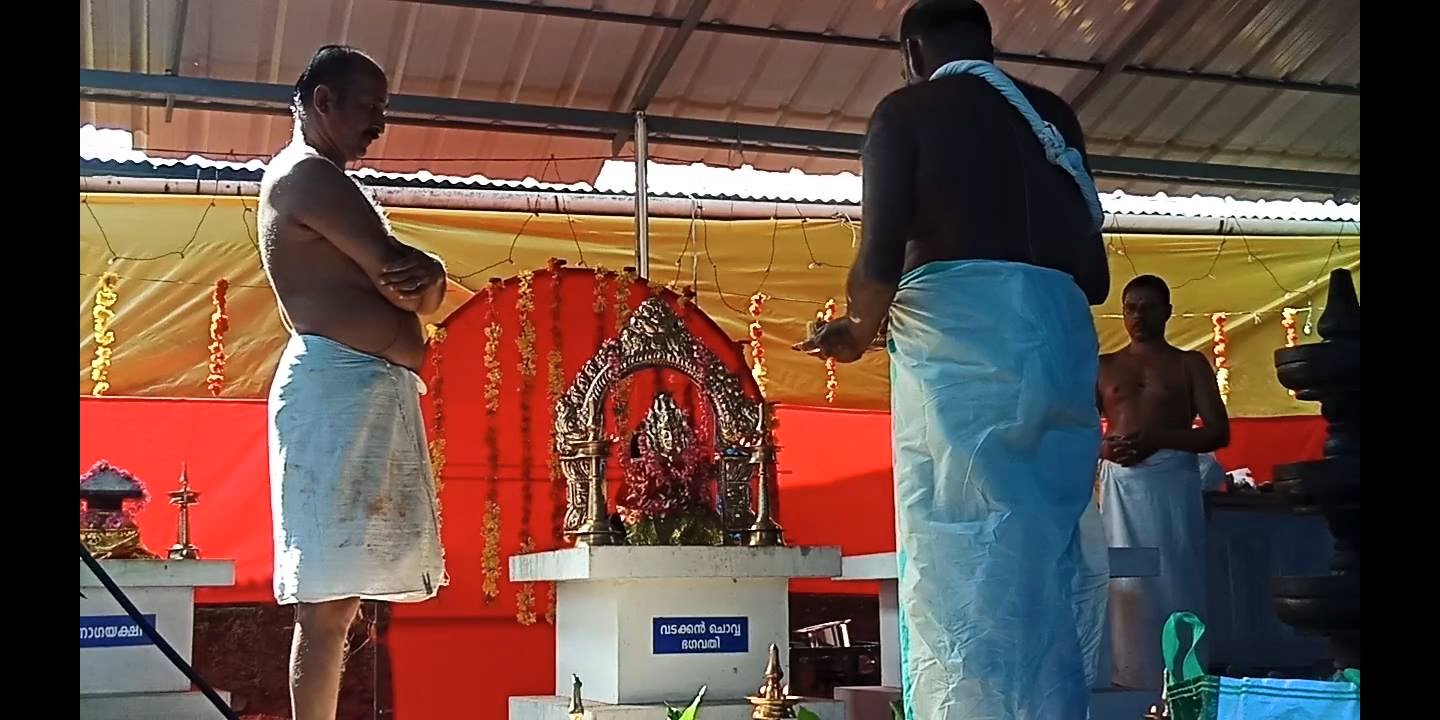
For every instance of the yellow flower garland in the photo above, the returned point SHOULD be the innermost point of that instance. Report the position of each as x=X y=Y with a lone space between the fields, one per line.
x=832 y=381
x=757 y=348
x=1222 y=355
x=219 y=325
x=103 y=313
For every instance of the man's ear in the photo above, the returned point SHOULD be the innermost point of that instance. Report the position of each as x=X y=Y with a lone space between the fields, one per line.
x=323 y=100
x=914 y=61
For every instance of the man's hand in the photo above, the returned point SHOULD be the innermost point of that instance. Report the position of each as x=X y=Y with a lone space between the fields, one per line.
x=1128 y=450
x=412 y=275
x=838 y=339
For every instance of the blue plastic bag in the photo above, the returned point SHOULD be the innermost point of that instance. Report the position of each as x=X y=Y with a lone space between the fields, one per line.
x=1194 y=695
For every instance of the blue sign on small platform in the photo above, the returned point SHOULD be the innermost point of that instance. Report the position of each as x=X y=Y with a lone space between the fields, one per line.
x=699 y=635
x=97 y=631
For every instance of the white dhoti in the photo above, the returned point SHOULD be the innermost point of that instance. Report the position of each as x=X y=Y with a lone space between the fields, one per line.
x=1157 y=503
x=1092 y=592
x=993 y=369
x=351 y=491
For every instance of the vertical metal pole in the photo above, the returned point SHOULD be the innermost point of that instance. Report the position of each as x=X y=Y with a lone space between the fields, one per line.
x=642 y=197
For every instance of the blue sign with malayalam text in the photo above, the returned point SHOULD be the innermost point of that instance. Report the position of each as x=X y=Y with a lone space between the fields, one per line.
x=97 y=631
x=699 y=635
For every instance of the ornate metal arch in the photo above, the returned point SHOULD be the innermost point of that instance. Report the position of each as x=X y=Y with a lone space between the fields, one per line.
x=654 y=336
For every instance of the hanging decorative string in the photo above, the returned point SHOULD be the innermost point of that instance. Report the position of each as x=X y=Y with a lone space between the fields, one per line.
x=525 y=343
x=1222 y=355
x=219 y=325
x=103 y=315
x=490 y=523
x=757 y=347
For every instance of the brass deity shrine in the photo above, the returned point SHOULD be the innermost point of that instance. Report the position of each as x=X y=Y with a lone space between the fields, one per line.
x=656 y=337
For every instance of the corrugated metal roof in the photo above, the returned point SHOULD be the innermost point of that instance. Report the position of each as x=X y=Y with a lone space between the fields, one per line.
x=204 y=170
x=438 y=50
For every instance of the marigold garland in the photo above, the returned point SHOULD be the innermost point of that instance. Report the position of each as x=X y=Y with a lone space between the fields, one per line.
x=1222 y=355
x=601 y=302
x=490 y=554
x=1287 y=321
x=554 y=388
x=832 y=382
x=757 y=347
x=436 y=335
x=623 y=283
x=219 y=325
x=103 y=314
x=524 y=306
x=525 y=342
x=525 y=596
x=490 y=527
x=1292 y=333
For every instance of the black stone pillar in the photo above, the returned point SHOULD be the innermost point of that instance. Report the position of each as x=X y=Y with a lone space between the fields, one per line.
x=1328 y=372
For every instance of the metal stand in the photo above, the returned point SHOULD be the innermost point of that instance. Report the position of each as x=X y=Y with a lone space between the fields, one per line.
x=595 y=530
x=765 y=532
x=642 y=198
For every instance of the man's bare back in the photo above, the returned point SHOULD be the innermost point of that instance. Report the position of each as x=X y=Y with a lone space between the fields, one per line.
x=320 y=289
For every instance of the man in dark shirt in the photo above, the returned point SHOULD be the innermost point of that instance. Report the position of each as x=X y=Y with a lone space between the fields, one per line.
x=981 y=247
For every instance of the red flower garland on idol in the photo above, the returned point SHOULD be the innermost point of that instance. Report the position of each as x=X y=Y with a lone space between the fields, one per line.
x=219 y=325
x=1222 y=355
x=757 y=347
x=832 y=382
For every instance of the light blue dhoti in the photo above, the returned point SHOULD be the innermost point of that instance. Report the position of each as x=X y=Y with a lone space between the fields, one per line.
x=352 y=496
x=993 y=369
x=1158 y=503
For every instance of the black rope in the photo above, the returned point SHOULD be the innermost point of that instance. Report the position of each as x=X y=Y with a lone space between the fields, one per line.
x=154 y=636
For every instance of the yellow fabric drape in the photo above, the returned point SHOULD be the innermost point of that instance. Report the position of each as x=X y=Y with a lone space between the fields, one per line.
x=172 y=249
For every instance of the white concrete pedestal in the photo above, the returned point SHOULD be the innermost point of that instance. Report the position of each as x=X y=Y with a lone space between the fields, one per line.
x=647 y=625
x=873 y=703
x=123 y=675
x=547 y=707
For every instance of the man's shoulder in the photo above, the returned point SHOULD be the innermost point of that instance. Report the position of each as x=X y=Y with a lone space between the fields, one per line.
x=898 y=100
x=289 y=163
x=309 y=174
x=1193 y=358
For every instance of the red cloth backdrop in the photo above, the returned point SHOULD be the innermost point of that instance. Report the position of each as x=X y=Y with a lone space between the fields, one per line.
x=834 y=476
x=458 y=656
